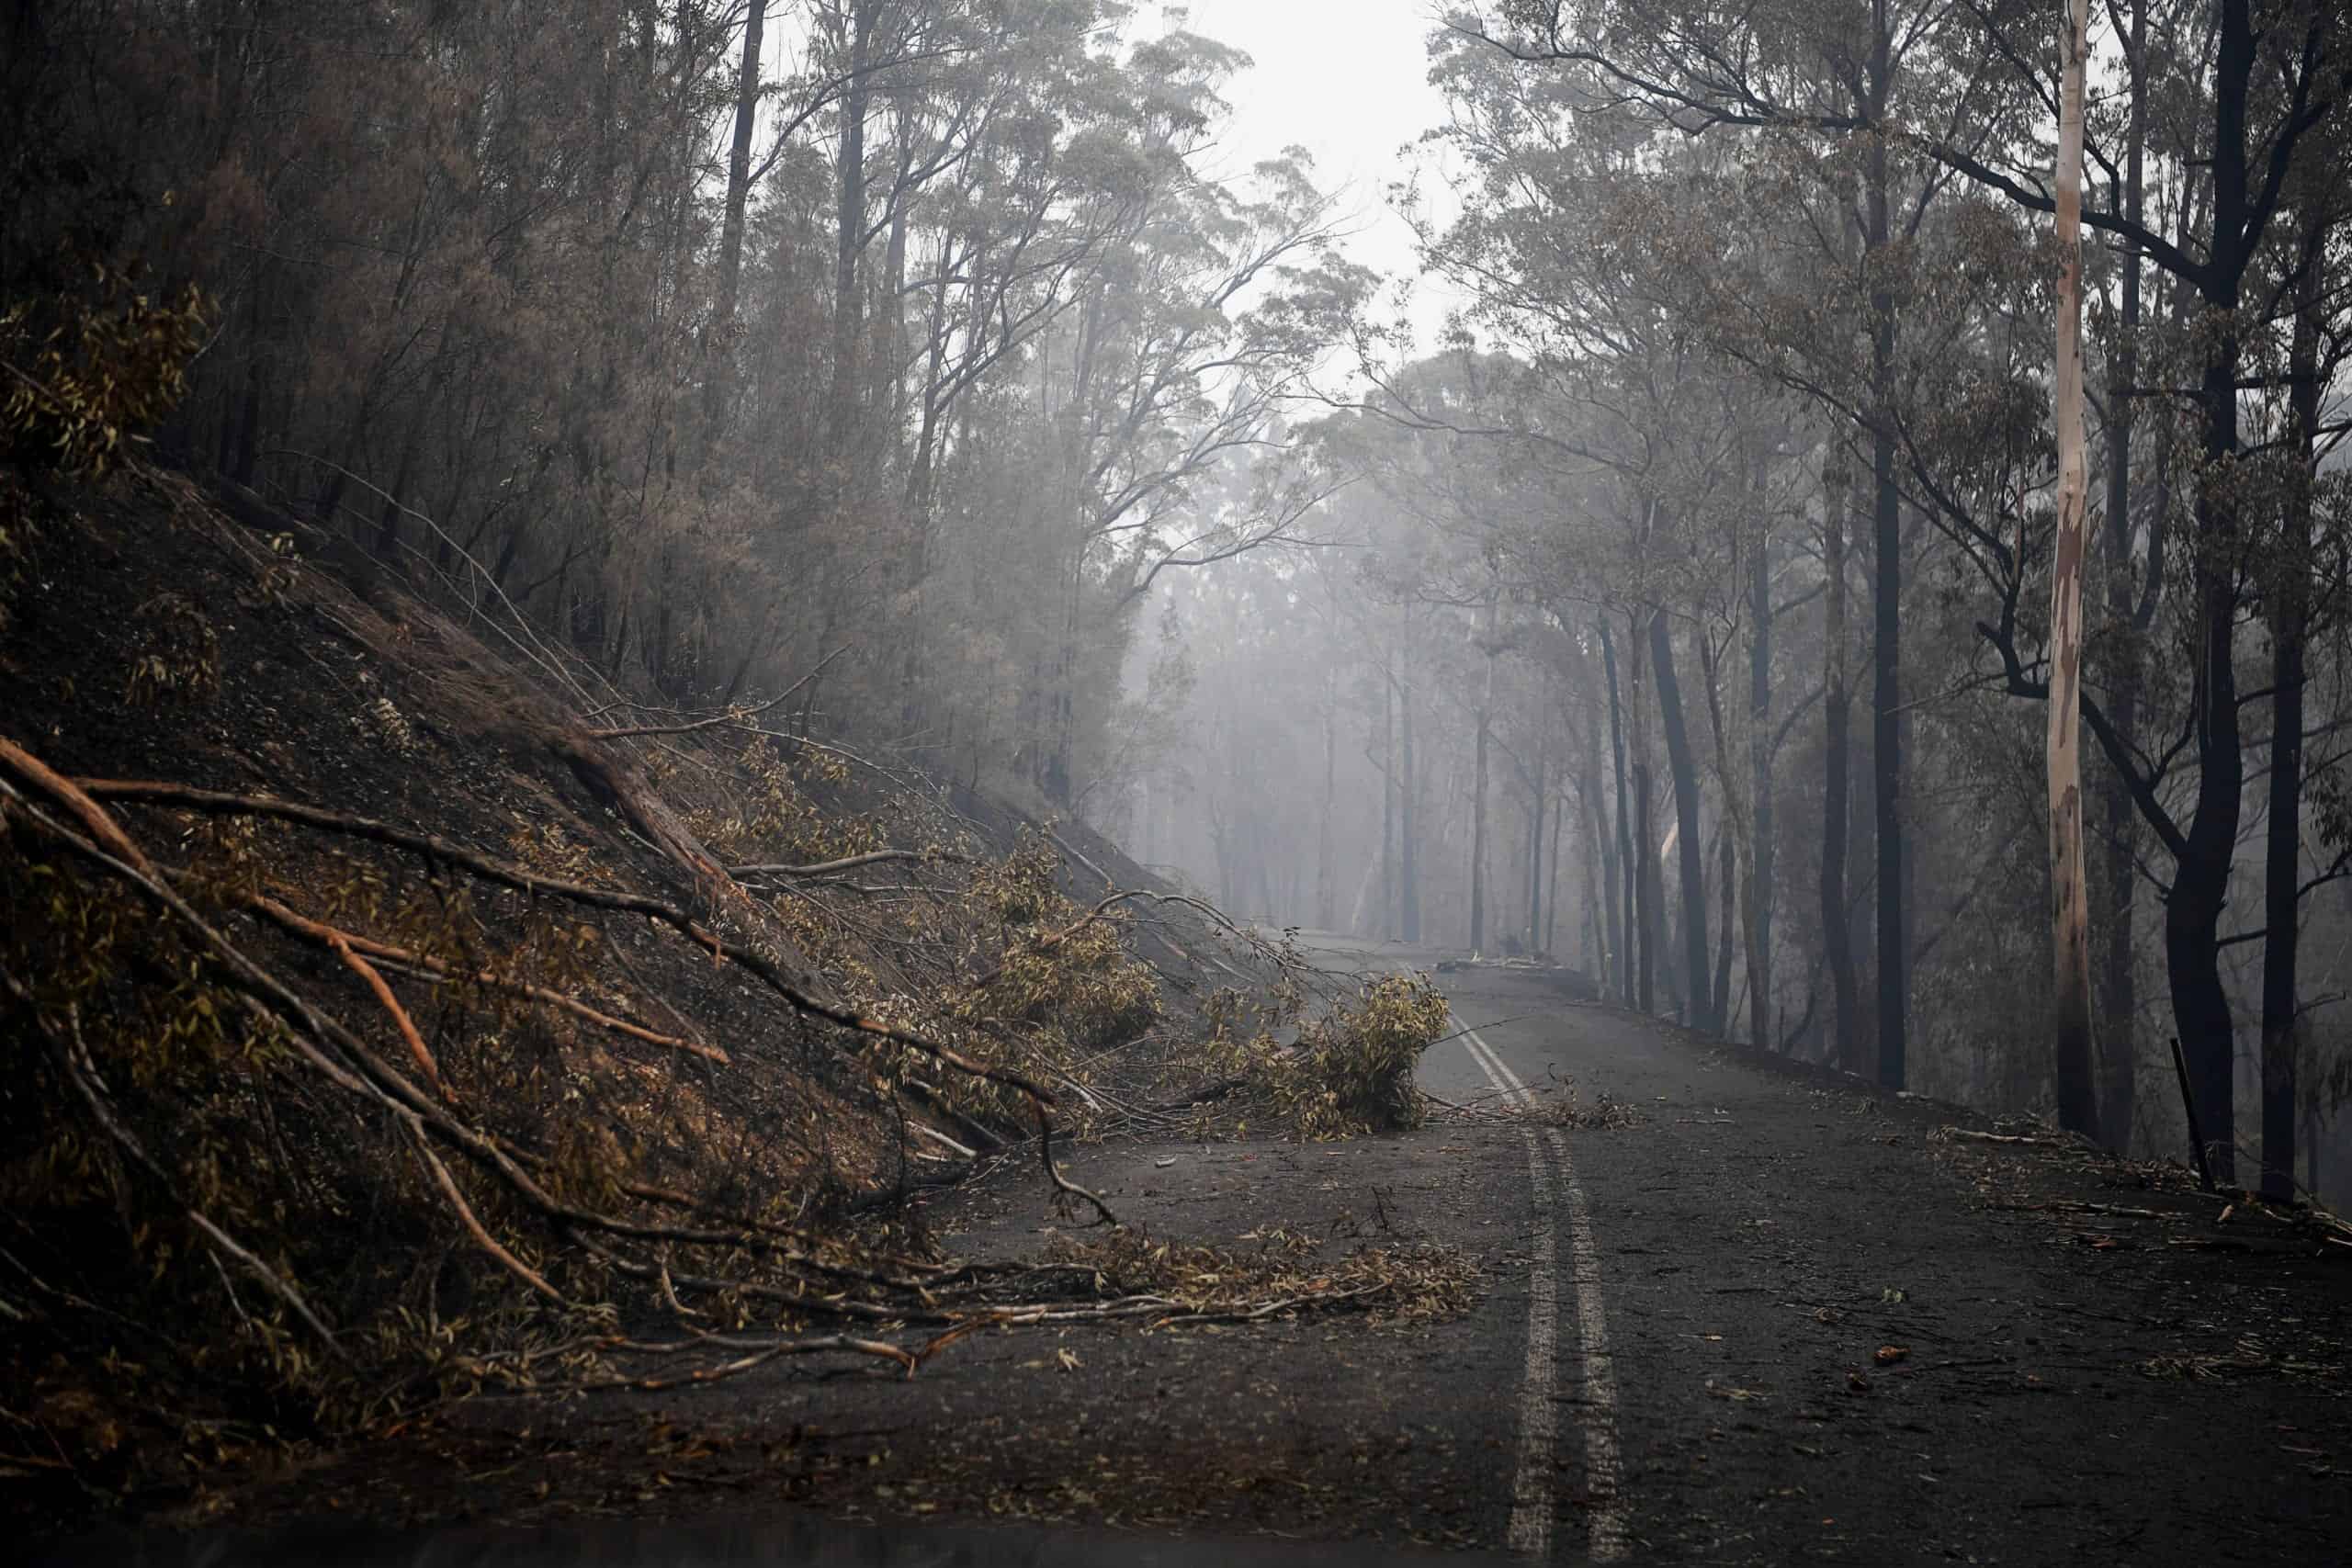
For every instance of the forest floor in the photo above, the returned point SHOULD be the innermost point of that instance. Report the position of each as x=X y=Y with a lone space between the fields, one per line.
x=1729 y=1311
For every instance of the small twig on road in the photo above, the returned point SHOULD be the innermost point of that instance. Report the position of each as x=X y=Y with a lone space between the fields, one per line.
x=1061 y=1183
x=2073 y=1206
x=761 y=1354
x=1969 y=1135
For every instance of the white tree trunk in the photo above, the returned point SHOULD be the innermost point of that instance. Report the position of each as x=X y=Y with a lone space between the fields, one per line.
x=2069 y=893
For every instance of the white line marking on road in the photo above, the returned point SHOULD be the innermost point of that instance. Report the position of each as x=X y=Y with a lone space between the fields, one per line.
x=1531 y=1494
x=1532 y=1505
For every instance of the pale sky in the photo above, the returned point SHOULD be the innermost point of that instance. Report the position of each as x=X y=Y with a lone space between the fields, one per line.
x=1348 y=80
x=1345 y=79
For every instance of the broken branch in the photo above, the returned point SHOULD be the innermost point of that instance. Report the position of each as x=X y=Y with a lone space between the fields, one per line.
x=391 y=1004
x=432 y=969
x=466 y=1217
x=737 y=715
x=74 y=1055
x=435 y=847
x=850 y=863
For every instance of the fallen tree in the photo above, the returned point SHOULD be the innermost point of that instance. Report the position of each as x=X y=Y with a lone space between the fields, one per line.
x=562 y=1220
x=498 y=1048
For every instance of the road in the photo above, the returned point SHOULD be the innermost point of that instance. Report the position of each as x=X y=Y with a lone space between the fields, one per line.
x=1729 y=1281
x=1766 y=1316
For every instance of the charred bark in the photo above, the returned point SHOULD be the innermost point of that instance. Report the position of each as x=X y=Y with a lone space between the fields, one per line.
x=1836 y=935
x=2289 y=606
x=1690 y=849
x=1623 y=917
x=2118 y=970
x=1757 y=896
x=716 y=374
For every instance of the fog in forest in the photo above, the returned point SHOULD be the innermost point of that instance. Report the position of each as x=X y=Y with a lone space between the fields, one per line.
x=1259 y=781
x=1684 y=616
x=1611 y=518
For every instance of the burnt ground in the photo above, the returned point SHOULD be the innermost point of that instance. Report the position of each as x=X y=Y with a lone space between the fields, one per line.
x=2074 y=1384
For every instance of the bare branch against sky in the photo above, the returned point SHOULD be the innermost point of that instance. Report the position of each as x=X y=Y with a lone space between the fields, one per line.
x=1347 y=80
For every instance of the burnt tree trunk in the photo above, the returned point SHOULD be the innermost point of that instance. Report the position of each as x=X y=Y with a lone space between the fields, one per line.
x=1646 y=896
x=2289 y=603
x=1535 y=805
x=1649 y=892
x=1629 y=894
x=1552 y=873
x=1887 y=656
x=2201 y=878
x=1836 y=935
x=1409 y=913
x=1757 y=894
x=849 y=236
x=1689 y=851
x=1719 y=1010
x=716 y=371
x=1387 y=811
x=1327 y=891
x=2118 y=977
x=1600 y=869
x=1478 y=812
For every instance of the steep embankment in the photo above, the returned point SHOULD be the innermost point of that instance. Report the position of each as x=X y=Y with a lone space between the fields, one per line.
x=400 y=1009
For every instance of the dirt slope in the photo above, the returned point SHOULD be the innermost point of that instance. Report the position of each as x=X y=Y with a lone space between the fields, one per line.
x=391 y=1023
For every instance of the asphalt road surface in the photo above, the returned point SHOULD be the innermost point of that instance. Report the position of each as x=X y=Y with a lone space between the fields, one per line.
x=1719 y=1294
x=1731 y=1312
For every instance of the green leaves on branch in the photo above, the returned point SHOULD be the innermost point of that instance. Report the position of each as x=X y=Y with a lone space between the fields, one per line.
x=1351 y=1071
x=81 y=374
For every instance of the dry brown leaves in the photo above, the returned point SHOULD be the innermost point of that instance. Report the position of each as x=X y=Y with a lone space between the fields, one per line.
x=1284 y=1273
x=1557 y=1104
